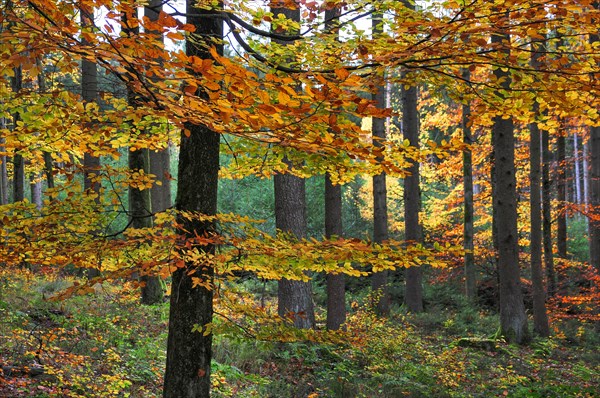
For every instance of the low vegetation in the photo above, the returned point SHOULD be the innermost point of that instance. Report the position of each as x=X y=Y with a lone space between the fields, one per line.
x=105 y=344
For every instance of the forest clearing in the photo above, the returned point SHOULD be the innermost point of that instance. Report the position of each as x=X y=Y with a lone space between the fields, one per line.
x=298 y=198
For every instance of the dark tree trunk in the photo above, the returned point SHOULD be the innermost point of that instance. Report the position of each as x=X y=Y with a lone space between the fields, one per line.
x=48 y=163
x=540 y=317
x=547 y=214
x=336 y=286
x=18 y=161
x=187 y=374
x=89 y=93
x=295 y=301
x=468 y=233
x=141 y=217
x=36 y=190
x=336 y=283
x=413 y=297
x=379 y=280
x=513 y=319
x=3 y=170
x=577 y=162
x=594 y=182
x=561 y=219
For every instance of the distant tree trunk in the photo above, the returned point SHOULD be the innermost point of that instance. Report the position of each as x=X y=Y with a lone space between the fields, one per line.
x=18 y=161
x=48 y=162
x=594 y=181
x=468 y=233
x=336 y=283
x=3 y=170
x=577 y=161
x=89 y=93
x=187 y=373
x=561 y=164
x=540 y=317
x=142 y=202
x=379 y=280
x=336 y=286
x=586 y=184
x=513 y=319
x=36 y=190
x=413 y=297
x=295 y=300
x=547 y=214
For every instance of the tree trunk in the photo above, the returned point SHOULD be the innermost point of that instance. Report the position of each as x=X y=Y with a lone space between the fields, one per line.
x=89 y=93
x=594 y=182
x=413 y=297
x=295 y=301
x=187 y=374
x=468 y=233
x=561 y=164
x=36 y=190
x=577 y=161
x=379 y=281
x=547 y=214
x=586 y=184
x=3 y=170
x=48 y=162
x=540 y=317
x=336 y=283
x=18 y=161
x=513 y=319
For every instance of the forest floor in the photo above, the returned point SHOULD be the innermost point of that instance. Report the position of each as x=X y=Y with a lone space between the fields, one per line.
x=105 y=344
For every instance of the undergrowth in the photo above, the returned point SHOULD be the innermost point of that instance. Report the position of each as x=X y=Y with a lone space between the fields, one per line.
x=107 y=345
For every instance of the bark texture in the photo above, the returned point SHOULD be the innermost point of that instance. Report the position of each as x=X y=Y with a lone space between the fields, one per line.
x=336 y=283
x=513 y=319
x=561 y=218
x=18 y=161
x=540 y=316
x=379 y=281
x=547 y=214
x=413 y=297
x=468 y=232
x=295 y=301
x=187 y=373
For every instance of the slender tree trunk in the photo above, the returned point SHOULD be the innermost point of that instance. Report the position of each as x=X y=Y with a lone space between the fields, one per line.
x=586 y=184
x=577 y=161
x=540 y=317
x=561 y=164
x=3 y=170
x=468 y=232
x=379 y=280
x=336 y=283
x=594 y=181
x=18 y=161
x=413 y=297
x=89 y=93
x=547 y=214
x=513 y=319
x=36 y=190
x=48 y=162
x=189 y=353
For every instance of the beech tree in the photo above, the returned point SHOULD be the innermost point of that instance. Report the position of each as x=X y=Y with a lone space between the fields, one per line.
x=189 y=345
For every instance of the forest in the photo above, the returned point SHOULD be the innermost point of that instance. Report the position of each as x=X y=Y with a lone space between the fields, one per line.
x=299 y=198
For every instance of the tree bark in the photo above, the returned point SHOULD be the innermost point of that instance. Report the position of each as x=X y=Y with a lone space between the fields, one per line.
x=561 y=218
x=540 y=317
x=18 y=161
x=295 y=301
x=89 y=93
x=513 y=319
x=189 y=353
x=577 y=162
x=468 y=232
x=594 y=182
x=413 y=297
x=3 y=170
x=379 y=281
x=336 y=283
x=547 y=214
